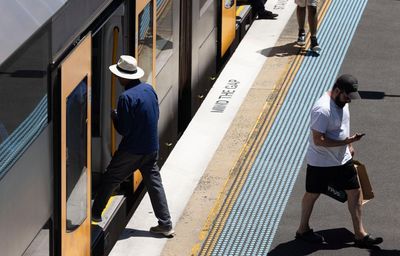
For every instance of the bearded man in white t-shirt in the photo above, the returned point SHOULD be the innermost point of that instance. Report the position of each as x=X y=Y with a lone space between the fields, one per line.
x=329 y=159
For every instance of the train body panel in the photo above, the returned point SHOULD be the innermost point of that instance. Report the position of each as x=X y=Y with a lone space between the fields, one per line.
x=26 y=196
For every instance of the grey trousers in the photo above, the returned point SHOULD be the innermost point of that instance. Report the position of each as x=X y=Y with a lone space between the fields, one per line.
x=121 y=166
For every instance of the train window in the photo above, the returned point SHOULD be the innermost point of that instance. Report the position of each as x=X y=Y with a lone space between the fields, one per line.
x=145 y=44
x=76 y=145
x=23 y=98
x=164 y=39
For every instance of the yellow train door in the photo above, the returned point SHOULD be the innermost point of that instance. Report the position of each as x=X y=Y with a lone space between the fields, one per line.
x=75 y=150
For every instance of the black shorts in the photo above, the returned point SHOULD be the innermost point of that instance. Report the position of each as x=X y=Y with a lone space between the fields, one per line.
x=341 y=177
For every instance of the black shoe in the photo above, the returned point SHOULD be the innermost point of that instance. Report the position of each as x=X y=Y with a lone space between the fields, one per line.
x=166 y=231
x=314 y=45
x=267 y=15
x=96 y=218
x=310 y=236
x=368 y=241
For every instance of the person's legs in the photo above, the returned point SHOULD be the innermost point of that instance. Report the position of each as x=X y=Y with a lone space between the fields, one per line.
x=259 y=9
x=316 y=183
x=355 y=204
x=312 y=19
x=304 y=232
x=307 y=206
x=313 y=24
x=121 y=166
x=257 y=5
x=301 y=19
x=152 y=179
x=348 y=179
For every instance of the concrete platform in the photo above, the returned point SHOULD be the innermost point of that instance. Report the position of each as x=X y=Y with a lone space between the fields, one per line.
x=372 y=57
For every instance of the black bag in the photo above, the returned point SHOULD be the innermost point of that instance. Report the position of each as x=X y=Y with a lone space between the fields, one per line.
x=337 y=194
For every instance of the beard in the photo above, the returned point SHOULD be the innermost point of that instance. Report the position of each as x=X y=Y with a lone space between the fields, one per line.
x=339 y=103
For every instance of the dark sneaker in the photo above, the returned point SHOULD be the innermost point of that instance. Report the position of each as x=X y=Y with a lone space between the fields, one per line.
x=267 y=15
x=310 y=236
x=301 y=39
x=368 y=241
x=165 y=231
x=96 y=218
x=314 y=45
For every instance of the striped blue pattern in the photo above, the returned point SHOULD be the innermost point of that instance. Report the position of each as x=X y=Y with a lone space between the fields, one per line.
x=253 y=221
x=146 y=17
x=15 y=145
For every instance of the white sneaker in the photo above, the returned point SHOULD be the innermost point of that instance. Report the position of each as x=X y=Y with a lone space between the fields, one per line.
x=301 y=39
x=314 y=45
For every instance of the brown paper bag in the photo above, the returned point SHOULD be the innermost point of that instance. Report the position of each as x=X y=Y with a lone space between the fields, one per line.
x=365 y=184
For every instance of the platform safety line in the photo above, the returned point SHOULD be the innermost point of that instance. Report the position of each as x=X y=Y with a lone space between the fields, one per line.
x=248 y=154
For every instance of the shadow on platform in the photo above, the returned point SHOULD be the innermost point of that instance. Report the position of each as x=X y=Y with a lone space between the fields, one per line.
x=336 y=239
x=384 y=252
x=289 y=49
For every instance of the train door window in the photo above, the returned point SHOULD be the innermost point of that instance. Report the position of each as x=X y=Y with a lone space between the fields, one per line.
x=164 y=39
x=76 y=144
x=144 y=46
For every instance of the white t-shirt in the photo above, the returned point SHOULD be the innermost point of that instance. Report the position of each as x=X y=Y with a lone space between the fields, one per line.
x=334 y=122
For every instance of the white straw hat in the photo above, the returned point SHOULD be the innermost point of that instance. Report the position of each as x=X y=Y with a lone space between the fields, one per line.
x=127 y=68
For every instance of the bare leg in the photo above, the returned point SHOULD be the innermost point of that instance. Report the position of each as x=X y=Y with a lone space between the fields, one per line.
x=355 y=208
x=301 y=17
x=307 y=206
x=313 y=20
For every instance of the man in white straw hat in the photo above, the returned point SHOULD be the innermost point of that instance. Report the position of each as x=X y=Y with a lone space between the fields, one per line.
x=136 y=120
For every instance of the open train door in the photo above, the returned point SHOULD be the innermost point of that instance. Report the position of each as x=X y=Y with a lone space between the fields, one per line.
x=74 y=197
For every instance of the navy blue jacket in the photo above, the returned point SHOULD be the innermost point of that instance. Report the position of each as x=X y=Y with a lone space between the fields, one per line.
x=137 y=119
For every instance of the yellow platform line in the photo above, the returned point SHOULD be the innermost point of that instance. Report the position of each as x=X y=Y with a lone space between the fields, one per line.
x=214 y=223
